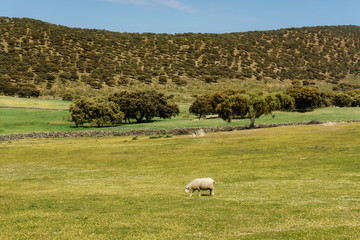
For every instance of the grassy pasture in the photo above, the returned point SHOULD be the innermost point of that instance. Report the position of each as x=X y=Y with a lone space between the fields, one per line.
x=16 y=102
x=19 y=115
x=20 y=120
x=298 y=182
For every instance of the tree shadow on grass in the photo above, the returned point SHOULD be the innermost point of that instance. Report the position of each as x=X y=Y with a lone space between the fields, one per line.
x=116 y=125
x=301 y=110
x=94 y=127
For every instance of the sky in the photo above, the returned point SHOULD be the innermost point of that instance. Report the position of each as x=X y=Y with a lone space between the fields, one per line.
x=180 y=16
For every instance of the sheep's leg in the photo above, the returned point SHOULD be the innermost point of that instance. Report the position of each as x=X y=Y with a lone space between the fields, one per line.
x=212 y=192
x=199 y=192
x=192 y=192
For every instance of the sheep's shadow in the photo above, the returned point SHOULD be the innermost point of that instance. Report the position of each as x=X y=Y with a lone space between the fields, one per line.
x=205 y=195
x=202 y=195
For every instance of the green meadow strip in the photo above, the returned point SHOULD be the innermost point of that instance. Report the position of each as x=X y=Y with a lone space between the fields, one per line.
x=15 y=120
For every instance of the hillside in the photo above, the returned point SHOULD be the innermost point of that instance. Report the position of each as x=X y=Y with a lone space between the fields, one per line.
x=57 y=59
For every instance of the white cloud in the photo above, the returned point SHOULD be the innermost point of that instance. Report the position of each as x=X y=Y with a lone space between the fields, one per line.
x=137 y=2
x=174 y=4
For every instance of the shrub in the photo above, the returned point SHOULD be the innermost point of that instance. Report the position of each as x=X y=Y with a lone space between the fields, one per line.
x=140 y=105
x=305 y=98
x=67 y=97
x=6 y=88
x=96 y=112
x=201 y=106
x=162 y=79
x=178 y=81
x=27 y=91
x=145 y=79
x=356 y=101
x=286 y=102
x=342 y=100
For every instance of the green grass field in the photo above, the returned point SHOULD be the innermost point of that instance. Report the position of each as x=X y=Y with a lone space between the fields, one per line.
x=39 y=115
x=19 y=120
x=298 y=182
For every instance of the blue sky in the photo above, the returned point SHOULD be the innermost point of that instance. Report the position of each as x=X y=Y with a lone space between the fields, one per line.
x=179 y=16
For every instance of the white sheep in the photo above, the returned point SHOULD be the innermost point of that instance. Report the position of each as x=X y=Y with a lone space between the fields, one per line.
x=201 y=184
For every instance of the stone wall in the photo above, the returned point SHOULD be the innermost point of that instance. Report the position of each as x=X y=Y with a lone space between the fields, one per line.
x=177 y=131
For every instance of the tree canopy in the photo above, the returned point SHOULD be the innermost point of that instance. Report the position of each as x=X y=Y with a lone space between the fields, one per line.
x=250 y=104
x=201 y=106
x=229 y=104
x=147 y=104
x=125 y=105
x=306 y=97
x=97 y=112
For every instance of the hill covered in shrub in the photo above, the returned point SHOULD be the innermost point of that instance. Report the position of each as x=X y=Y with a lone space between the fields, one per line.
x=48 y=56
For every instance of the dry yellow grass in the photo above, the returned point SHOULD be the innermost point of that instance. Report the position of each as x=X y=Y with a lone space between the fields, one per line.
x=33 y=103
x=283 y=183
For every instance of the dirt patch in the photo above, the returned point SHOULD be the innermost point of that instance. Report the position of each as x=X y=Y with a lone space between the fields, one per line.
x=328 y=124
x=60 y=123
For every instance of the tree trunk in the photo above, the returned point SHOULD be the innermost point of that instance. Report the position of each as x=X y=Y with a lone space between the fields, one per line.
x=252 y=121
x=139 y=118
x=252 y=115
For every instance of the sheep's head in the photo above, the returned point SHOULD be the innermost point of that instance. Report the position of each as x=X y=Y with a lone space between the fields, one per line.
x=187 y=189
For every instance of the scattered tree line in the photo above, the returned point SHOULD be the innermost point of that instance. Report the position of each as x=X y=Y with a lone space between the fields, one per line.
x=123 y=106
x=230 y=104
